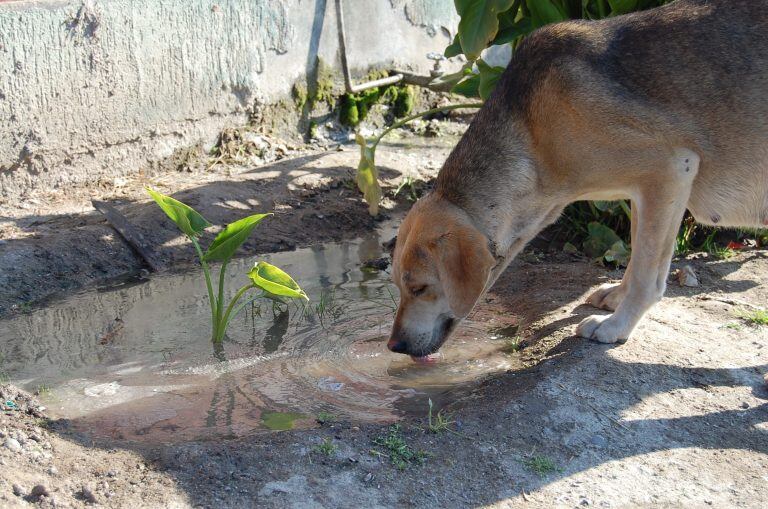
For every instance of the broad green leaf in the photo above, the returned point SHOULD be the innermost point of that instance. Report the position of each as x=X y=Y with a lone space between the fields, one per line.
x=186 y=218
x=468 y=87
x=622 y=6
x=488 y=77
x=368 y=175
x=509 y=34
x=273 y=280
x=618 y=253
x=599 y=240
x=226 y=243
x=479 y=23
x=544 y=12
x=453 y=49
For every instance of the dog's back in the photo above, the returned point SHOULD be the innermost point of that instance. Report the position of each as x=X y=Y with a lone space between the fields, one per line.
x=693 y=73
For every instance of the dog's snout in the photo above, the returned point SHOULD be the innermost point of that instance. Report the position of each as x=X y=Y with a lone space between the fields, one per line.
x=397 y=346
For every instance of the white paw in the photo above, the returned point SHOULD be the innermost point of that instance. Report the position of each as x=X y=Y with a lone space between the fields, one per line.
x=608 y=296
x=603 y=329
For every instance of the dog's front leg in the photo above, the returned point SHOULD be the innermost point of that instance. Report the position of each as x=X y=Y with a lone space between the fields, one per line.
x=658 y=209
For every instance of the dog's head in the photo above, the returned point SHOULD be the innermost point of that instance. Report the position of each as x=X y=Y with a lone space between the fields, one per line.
x=441 y=265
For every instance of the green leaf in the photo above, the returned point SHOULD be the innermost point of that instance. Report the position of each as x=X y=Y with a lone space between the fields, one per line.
x=479 y=23
x=453 y=49
x=599 y=240
x=368 y=175
x=274 y=281
x=226 y=243
x=488 y=78
x=544 y=12
x=468 y=87
x=186 y=218
x=618 y=253
x=509 y=34
x=622 y=6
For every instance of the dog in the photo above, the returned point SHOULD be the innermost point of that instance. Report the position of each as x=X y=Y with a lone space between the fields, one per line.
x=665 y=107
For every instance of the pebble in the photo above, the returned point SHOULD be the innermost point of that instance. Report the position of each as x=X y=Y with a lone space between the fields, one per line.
x=53 y=471
x=687 y=277
x=39 y=491
x=88 y=495
x=18 y=490
x=599 y=441
x=12 y=444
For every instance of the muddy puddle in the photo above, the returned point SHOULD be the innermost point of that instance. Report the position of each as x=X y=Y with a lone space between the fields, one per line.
x=135 y=361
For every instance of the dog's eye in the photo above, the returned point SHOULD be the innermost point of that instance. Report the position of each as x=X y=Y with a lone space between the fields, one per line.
x=418 y=290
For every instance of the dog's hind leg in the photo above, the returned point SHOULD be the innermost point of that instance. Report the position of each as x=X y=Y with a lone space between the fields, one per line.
x=610 y=295
x=659 y=205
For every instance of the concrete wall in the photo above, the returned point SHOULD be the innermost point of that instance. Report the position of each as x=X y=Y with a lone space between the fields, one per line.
x=102 y=87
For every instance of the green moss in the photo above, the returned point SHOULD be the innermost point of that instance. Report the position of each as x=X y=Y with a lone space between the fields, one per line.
x=299 y=93
x=322 y=92
x=403 y=103
x=349 y=114
x=313 y=129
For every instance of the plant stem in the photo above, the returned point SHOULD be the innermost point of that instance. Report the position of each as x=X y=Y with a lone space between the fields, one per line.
x=211 y=296
x=224 y=322
x=220 y=300
x=441 y=109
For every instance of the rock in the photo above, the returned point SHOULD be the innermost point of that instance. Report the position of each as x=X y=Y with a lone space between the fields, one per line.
x=53 y=471
x=12 y=444
x=39 y=491
x=88 y=495
x=18 y=490
x=687 y=277
x=599 y=441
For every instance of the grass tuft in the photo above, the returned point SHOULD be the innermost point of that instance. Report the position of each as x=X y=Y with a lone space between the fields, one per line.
x=397 y=449
x=754 y=317
x=540 y=465
x=326 y=447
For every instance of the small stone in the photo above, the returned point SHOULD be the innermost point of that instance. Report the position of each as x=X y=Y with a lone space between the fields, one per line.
x=18 y=490
x=599 y=441
x=88 y=495
x=112 y=473
x=368 y=477
x=744 y=405
x=12 y=444
x=53 y=471
x=39 y=491
x=687 y=277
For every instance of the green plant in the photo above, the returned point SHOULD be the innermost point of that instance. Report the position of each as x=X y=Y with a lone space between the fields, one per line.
x=272 y=281
x=326 y=447
x=753 y=317
x=397 y=449
x=409 y=186
x=323 y=417
x=438 y=423
x=540 y=465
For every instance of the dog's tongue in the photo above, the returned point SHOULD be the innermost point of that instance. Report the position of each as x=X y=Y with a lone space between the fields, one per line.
x=426 y=359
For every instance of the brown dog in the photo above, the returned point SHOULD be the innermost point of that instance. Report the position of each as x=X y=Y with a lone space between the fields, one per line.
x=666 y=107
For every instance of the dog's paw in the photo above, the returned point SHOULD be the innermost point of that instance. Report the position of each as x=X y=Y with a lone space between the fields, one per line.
x=608 y=296
x=602 y=328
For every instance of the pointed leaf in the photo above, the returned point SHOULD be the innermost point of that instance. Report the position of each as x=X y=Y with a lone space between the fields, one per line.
x=368 y=175
x=468 y=87
x=544 y=12
x=488 y=78
x=479 y=23
x=622 y=6
x=274 y=281
x=226 y=243
x=453 y=49
x=186 y=218
x=509 y=34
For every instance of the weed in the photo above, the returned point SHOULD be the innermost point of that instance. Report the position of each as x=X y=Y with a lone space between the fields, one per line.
x=409 y=186
x=754 y=317
x=323 y=417
x=397 y=449
x=438 y=423
x=541 y=465
x=42 y=390
x=272 y=281
x=733 y=326
x=326 y=447
x=511 y=345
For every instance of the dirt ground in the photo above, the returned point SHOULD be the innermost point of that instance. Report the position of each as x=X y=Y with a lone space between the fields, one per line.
x=677 y=416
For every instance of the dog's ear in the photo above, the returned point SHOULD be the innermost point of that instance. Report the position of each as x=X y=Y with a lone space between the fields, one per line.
x=463 y=265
